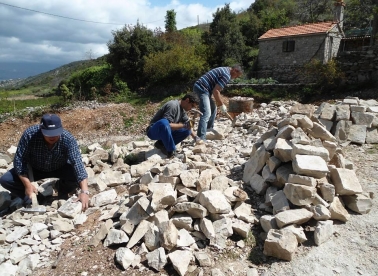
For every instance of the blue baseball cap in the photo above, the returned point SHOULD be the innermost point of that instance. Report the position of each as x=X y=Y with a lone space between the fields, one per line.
x=51 y=125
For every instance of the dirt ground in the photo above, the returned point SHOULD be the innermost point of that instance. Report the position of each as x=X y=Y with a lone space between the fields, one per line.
x=351 y=251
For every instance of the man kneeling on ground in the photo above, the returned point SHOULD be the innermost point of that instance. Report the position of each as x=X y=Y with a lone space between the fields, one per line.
x=171 y=124
x=49 y=151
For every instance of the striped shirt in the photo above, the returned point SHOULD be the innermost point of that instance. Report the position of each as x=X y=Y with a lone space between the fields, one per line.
x=219 y=75
x=32 y=149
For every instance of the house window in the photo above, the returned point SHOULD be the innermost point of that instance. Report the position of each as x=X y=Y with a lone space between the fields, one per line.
x=288 y=46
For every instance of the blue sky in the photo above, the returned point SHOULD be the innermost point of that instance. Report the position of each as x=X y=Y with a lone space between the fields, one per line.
x=57 y=32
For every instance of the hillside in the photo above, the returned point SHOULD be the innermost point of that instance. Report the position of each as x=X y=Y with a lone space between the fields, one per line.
x=51 y=78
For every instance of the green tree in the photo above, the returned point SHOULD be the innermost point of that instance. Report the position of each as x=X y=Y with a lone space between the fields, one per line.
x=311 y=11
x=127 y=51
x=66 y=93
x=358 y=14
x=224 y=39
x=82 y=82
x=170 y=21
x=177 y=65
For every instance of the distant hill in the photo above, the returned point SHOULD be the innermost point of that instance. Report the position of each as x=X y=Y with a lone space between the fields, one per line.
x=53 y=77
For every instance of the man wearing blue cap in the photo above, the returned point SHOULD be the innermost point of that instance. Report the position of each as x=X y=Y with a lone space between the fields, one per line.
x=50 y=151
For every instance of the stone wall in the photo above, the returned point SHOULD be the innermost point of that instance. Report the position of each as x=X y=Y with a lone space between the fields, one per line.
x=322 y=47
x=359 y=67
x=264 y=87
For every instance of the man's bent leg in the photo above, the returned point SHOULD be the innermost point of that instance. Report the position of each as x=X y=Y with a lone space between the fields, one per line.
x=12 y=183
x=162 y=131
x=67 y=182
x=180 y=134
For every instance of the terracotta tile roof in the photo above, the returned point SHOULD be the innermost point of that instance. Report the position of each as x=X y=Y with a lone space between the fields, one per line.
x=314 y=28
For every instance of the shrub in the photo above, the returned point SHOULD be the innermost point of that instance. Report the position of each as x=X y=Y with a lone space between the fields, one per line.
x=180 y=64
x=326 y=76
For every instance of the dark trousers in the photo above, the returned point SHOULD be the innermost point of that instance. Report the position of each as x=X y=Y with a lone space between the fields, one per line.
x=170 y=138
x=66 y=175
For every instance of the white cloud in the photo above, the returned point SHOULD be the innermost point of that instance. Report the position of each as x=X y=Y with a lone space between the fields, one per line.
x=30 y=36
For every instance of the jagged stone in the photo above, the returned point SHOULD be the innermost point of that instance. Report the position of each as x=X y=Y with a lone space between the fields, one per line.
x=338 y=211
x=157 y=259
x=320 y=212
x=299 y=194
x=214 y=201
x=115 y=237
x=297 y=231
x=280 y=244
x=323 y=231
x=180 y=260
x=124 y=256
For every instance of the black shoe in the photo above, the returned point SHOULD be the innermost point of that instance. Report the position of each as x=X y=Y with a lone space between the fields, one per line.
x=159 y=145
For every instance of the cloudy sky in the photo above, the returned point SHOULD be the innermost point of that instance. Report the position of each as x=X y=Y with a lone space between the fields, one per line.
x=40 y=35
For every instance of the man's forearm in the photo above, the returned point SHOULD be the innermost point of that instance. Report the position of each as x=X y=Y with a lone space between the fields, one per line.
x=25 y=180
x=217 y=97
x=176 y=126
x=84 y=185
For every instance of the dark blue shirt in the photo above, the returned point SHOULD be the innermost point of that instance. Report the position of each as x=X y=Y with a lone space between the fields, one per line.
x=33 y=149
x=219 y=75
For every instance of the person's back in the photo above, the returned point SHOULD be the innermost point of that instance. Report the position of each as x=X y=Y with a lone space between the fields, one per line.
x=219 y=75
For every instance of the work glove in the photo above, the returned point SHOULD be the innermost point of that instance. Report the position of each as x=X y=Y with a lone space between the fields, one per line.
x=223 y=108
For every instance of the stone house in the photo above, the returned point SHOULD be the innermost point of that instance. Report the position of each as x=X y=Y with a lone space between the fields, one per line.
x=283 y=51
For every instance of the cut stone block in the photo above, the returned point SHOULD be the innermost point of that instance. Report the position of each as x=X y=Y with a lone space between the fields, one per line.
x=360 y=203
x=372 y=136
x=342 y=112
x=283 y=149
x=301 y=179
x=357 y=134
x=279 y=202
x=342 y=130
x=295 y=216
x=345 y=181
x=310 y=165
x=327 y=124
x=362 y=118
x=310 y=150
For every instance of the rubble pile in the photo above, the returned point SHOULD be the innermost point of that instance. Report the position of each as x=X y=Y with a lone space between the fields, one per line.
x=175 y=210
x=351 y=120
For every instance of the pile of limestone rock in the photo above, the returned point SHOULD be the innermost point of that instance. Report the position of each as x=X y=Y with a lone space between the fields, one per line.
x=174 y=210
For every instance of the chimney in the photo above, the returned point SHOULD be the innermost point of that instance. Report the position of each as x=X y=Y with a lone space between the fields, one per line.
x=339 y=12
